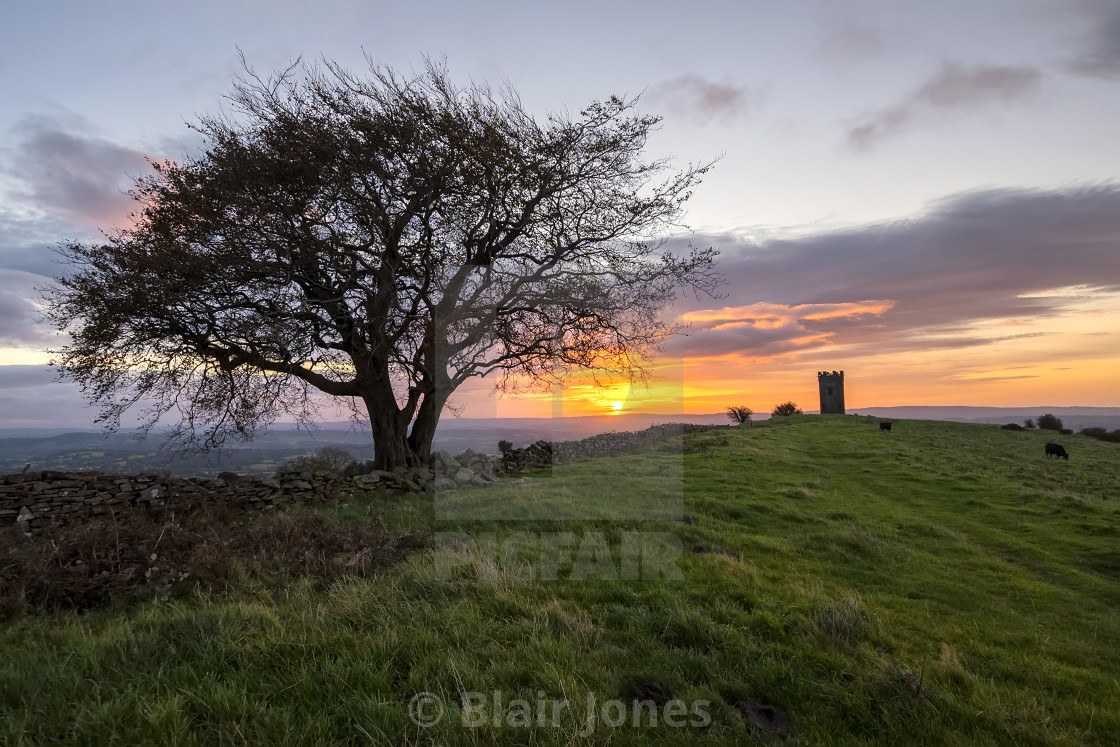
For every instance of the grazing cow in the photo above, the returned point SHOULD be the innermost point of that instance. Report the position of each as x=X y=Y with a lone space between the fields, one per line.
x=1057 y=450
x=884 y=426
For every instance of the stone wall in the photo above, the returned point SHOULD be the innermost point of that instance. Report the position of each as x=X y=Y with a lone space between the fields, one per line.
x=446 y=472
x=32 y=499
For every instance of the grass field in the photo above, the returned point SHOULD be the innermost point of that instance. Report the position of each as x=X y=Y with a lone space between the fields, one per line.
x=940 y=584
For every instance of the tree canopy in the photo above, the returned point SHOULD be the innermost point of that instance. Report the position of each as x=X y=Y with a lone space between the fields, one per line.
x=381 y=239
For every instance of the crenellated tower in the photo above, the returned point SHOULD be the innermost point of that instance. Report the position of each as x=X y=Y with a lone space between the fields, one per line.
x=832 y=392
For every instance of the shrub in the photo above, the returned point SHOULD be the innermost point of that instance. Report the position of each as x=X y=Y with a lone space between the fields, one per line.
x=1102 y=434
x=739 y=414
x=326 y=459
x=1066 y=431
x=1029 y=423
x=1012 y=427
x=786 y=408
x=1050 y=422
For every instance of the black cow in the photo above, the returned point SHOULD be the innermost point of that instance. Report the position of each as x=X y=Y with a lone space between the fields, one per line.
x=884 y=426
x=1057 y=450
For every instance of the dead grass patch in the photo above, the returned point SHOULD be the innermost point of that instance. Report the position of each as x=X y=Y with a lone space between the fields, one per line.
x=141 y=554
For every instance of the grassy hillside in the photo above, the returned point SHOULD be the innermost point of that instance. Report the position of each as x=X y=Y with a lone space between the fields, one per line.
x=943 y=583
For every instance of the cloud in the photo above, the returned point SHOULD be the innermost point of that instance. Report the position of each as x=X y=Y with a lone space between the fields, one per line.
x=850 y=41
x=953 y=87
x=971 y=379
x=29 y=244
x=19 y=313
x=63 y=185
x=700 y=99
x=766 y=329
x=72 y=176
x=970 y=269
x=20 y=377
x=769 y=315
x=32 y=397
x=1099 y=53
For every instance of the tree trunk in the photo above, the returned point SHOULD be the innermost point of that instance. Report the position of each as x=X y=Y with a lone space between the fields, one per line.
x=391 y=448
x=424 y=429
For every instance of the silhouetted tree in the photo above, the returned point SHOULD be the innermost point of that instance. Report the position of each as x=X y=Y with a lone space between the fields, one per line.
x=1050 y=422
x=381 y=240
x=1028 y=423
x=739 y=415
x=786 y=408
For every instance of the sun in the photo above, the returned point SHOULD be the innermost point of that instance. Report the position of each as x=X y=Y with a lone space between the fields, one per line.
x=616 y=406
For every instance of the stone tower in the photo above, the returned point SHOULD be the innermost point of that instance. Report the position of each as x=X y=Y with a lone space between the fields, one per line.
x=832 y=392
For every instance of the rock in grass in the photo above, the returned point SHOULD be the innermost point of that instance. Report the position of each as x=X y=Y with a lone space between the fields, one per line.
x=443 y=483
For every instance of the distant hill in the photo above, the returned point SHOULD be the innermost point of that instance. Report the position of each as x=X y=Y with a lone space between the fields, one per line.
x=122 y=452
x=1072 y=417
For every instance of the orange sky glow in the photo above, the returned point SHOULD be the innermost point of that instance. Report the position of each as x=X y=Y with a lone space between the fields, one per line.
x=1070 y=359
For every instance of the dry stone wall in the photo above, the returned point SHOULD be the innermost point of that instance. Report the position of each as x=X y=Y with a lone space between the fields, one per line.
x=31 y=500
x=446 y=472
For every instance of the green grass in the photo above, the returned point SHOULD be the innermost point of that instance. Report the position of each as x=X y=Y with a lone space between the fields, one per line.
x=952 y=555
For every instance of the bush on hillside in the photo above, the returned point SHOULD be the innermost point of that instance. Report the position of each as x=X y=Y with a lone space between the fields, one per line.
x=1101 y=434
x=786 y=408
x=1012 y=427
x=1029 y=423
x=1050 y=422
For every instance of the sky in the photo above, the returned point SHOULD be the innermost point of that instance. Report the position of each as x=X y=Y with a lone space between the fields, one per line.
x=924 y=195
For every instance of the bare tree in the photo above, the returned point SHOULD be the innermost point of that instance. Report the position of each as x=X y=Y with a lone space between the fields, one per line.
x=382 y=240
x=739 y=415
